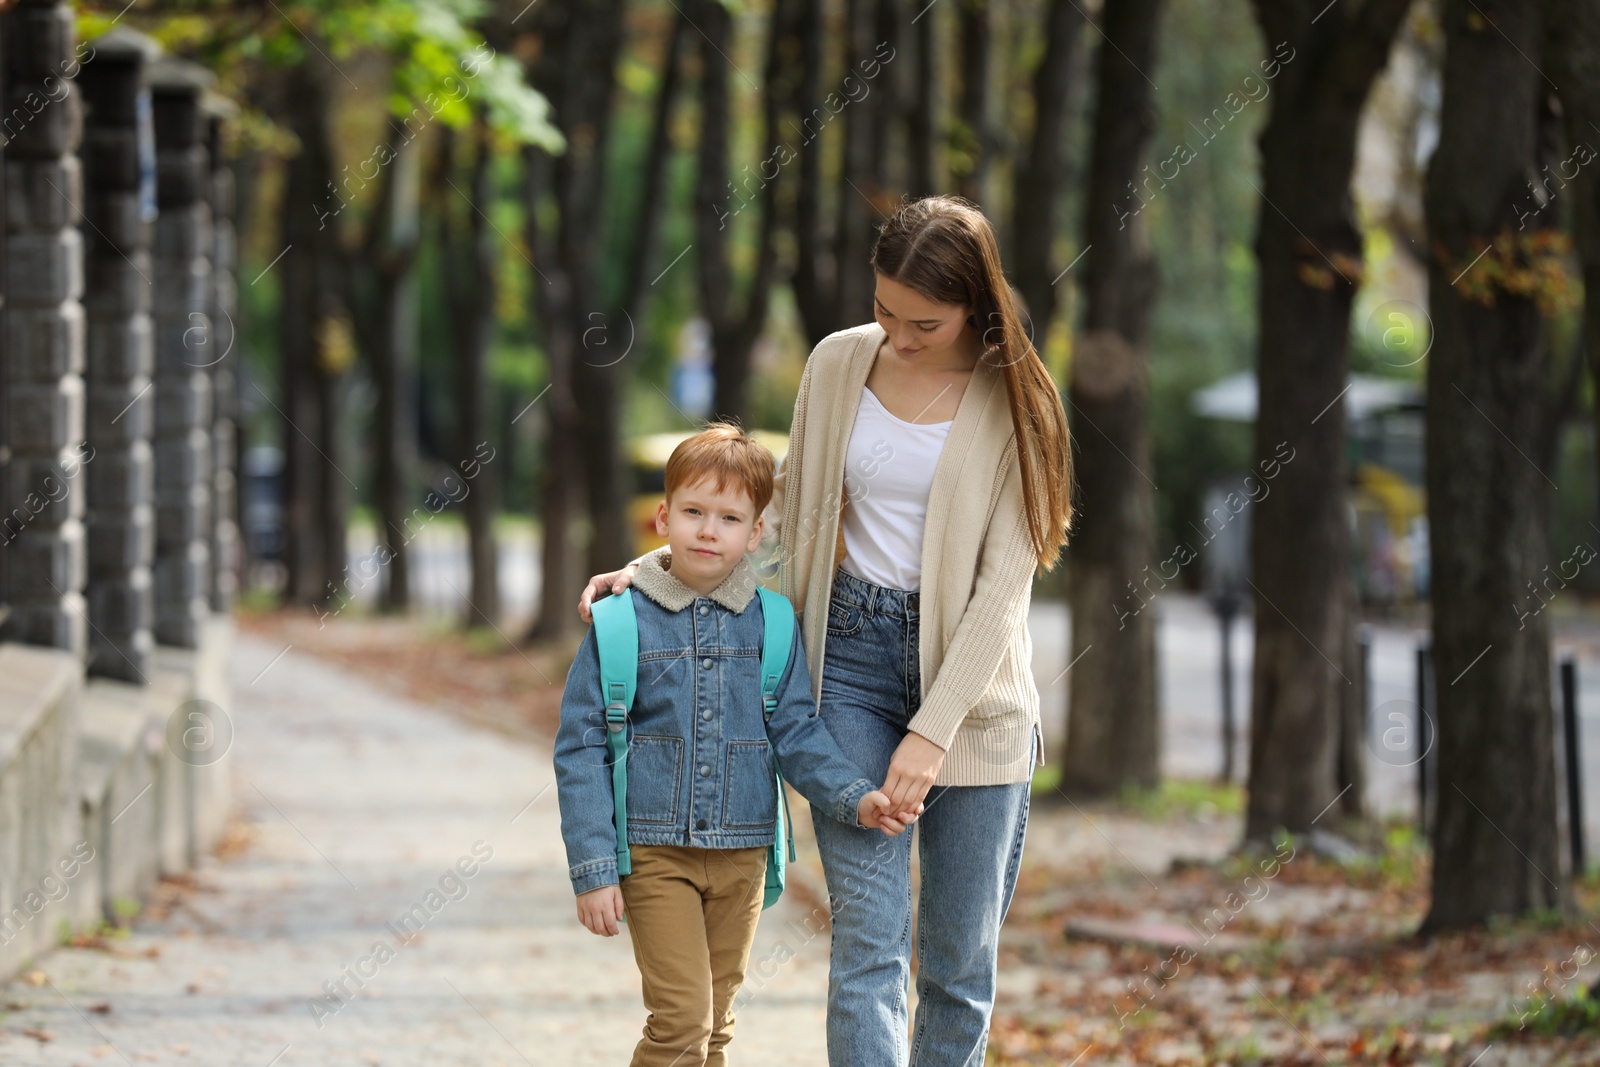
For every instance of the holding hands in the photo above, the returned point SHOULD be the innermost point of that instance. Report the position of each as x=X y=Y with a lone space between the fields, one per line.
x=877 y=811
x=912 y=771
x=601 y=910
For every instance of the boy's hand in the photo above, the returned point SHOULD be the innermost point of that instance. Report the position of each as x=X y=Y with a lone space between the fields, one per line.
x=601 y=909
x=877 y=810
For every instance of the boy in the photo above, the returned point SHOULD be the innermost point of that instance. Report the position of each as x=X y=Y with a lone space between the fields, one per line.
x=701 y=797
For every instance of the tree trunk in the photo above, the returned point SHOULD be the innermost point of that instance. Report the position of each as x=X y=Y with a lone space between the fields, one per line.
x=814 y=281
x=1038 y=184
x=396 y=366
x=733 y=330
x=1309 y=252
x=1573 y=38
x=923 y=129
x=334 y=502
x=1353 y=700
x=832 y=278
x=247 y=219
x=1113 y=726
x=574 y=72
x=1490 y=440
x=380 y=290
x=888 y=170
x=559 y=489
x=651 y=194
x=977 y=139
x=857 y=213
x=470 y=278
x=602 y=370
x=300 y=311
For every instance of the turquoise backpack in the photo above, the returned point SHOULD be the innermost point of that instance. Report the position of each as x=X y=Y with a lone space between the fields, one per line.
x=616 y=632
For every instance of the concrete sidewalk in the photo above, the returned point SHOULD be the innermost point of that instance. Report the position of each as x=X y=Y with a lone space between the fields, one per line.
x=365 y=811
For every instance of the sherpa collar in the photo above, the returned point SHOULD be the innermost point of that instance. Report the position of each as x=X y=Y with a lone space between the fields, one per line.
x=658 y=583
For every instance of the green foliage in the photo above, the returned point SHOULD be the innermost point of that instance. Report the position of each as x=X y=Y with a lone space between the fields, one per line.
x=1201 y=226
x=439 y=60
x=1546 y=1015
x=1045 y=779
x=1401 y=859
x=257 y=600
x=1176 y=798
x=484 y=641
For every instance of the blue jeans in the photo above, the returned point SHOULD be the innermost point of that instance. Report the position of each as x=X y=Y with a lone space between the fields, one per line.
x=971 y=845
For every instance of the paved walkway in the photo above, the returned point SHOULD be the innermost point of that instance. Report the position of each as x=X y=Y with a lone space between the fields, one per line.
x=361 y=806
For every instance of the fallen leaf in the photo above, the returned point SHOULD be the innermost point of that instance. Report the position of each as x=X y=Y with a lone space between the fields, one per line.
x=38 y=1034
x=101 y=1008
x=37 y=978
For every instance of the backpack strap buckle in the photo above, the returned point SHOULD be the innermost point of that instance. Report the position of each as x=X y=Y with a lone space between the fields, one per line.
x=617 y=709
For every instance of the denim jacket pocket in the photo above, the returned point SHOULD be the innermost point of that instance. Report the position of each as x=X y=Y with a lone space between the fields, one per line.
x=655 y=778
x=845 y=619
x=750 y=797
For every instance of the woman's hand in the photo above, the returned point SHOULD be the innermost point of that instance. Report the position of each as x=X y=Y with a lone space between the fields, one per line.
x=912 y=770
x=601 y=584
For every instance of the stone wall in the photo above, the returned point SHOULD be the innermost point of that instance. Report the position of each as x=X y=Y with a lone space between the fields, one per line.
x=119 y=211
x=182 y=355
x=113 y=564
x=41 y=516
x=40 y=690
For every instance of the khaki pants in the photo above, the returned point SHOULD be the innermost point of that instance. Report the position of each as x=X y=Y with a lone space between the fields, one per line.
x=692 y=915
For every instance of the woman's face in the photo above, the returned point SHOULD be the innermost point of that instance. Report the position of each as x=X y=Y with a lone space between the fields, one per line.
x=917 y=327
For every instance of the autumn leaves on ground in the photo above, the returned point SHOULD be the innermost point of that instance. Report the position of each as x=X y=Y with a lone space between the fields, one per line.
x=1140 y=933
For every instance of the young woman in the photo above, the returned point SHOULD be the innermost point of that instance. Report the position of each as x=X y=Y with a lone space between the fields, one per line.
x=928 y=479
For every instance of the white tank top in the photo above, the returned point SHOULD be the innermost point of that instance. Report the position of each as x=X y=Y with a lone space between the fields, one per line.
x=888 y=473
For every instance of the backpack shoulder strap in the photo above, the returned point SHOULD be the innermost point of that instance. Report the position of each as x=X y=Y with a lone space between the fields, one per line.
x=776 y=640
x=777 y=635
x=616 y=633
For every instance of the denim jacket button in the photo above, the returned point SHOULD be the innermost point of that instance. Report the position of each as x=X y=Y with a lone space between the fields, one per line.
x=704 y=610
x=706 y=663
x=705 y=772
x=705 y=713
x=699 y=824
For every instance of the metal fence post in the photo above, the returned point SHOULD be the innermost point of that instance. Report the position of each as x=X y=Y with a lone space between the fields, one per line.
x=1569 y=723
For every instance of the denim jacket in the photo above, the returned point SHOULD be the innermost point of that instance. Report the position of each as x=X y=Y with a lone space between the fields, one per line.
x=700 y=769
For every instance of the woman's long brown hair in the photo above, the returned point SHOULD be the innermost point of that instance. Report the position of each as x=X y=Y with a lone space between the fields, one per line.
x=944 y=248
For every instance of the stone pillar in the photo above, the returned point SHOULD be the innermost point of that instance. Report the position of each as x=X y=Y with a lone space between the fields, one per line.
x=225 y=548
x=119 y=214
x=41 y=494
x=182 y=353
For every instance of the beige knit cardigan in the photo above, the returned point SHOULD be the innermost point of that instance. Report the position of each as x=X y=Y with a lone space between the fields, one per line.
x=978 y=698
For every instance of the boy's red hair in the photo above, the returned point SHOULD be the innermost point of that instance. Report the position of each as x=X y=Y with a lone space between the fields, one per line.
x=723 y=453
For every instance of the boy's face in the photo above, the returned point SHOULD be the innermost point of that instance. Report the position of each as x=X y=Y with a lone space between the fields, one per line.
x=707 y=531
